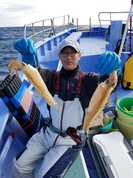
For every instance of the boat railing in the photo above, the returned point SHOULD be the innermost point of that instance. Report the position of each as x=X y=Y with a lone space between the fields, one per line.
x=50 y=27
x=85 y=27
x=46 y=27
x=63 y=20
x=106 y=17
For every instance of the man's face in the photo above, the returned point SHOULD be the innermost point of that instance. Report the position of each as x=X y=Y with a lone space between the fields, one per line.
x=69 y=58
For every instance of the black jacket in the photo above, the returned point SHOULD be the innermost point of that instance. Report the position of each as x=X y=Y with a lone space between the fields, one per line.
x=90 y=82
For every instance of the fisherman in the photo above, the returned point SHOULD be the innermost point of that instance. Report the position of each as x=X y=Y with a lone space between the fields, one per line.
x=58 y=145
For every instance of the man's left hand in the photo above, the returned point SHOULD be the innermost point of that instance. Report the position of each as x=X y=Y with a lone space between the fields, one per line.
x=108 y=62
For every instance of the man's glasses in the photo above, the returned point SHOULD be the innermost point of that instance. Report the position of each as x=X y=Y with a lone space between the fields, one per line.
x=65 y=54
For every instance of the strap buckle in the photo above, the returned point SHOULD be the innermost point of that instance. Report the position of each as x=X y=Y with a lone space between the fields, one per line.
x=58 y=131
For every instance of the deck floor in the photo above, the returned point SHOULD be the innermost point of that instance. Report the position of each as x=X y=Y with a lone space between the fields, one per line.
x=92 y=45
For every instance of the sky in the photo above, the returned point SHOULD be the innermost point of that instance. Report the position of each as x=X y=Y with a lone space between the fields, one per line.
x=20 y=12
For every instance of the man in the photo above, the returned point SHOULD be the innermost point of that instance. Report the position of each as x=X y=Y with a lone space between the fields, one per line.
x=58 y=145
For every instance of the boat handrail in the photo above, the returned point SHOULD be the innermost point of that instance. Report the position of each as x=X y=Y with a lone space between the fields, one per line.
x=46 y=27
x=102 y=17
x=49 y=27
x=66 y=22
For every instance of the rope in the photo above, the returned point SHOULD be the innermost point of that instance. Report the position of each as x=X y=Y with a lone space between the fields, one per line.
x=20 y=129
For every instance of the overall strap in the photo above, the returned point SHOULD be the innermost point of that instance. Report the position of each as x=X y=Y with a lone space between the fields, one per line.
x=57 y=85
x=78 y=85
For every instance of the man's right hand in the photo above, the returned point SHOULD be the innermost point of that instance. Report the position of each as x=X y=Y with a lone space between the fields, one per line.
x=26 y=48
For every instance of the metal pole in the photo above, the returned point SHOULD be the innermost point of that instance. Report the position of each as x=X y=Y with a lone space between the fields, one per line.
x=125 y=31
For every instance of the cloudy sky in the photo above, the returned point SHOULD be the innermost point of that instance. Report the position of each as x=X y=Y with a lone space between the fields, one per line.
x=20 y=12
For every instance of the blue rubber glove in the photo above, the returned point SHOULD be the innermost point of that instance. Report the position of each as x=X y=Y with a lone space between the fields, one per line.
x=26 y=48
x=108 y=62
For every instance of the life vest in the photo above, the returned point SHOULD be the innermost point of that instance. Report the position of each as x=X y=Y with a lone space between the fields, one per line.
x=127 y=82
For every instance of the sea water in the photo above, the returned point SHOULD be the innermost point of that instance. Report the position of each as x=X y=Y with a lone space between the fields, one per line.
x=8 y=36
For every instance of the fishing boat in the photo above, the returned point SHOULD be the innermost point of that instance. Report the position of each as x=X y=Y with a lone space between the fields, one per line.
x=47 y=35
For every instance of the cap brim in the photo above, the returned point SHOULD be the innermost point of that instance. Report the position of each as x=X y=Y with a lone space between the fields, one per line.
x=68 y=46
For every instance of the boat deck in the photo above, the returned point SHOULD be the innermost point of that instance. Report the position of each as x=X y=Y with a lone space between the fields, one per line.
x=92 y=45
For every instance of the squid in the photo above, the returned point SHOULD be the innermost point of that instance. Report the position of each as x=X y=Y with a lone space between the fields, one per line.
x=99 y=99
x=34 y=78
